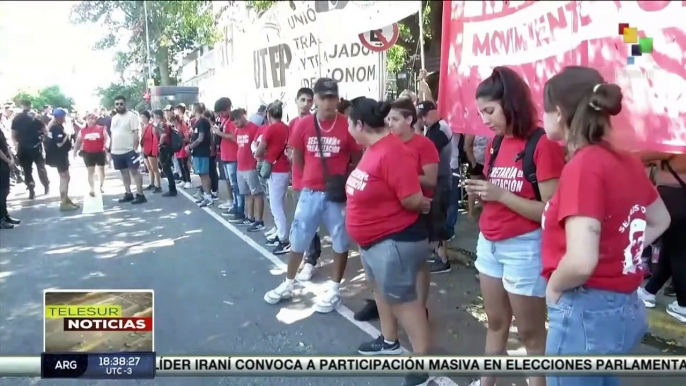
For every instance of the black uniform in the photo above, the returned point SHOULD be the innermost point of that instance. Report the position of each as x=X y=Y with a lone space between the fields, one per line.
x=4 y=177
x=30 y=148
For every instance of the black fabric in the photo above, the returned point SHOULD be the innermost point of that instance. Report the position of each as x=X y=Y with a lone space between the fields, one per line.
x=166 y=160
x=4 y=148
x=476 y=171
x=185 y=169
x=94 y=159
x=203 y=149
x=56 y=155
x=28 y=157
x=334 y=184
x=29 y=131
x=672 y=261
x=4 y=188
x=214 y=175
x=417 y=231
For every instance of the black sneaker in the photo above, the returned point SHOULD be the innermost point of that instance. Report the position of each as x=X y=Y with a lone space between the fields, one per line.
x=140 y=199
x=247 y=222
x=237 y=219
x=272 y=242
x=6 y=225
x=205 y=203
x=438 y=266
x=169 y=194
x=128 y=197
x=150 y=187
x=32 y=194
x=257 y=226
x=157 y=190
x=368 y=312
x=379 y=346
x=670 y=291
x=282 y=248
x=12 y=221
x=215 y=196
x=416 y=380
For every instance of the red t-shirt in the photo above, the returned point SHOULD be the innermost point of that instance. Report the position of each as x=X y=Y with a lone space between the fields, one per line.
x=149 y=141
x=276 y=136
x=613 y=188
x=338 y=146
x=385 y=175
x=499 y=222
x=93 y=139
x=229 y=147
x=296 y=172
x=183 y=129
x=244 y=136
x=426 y=153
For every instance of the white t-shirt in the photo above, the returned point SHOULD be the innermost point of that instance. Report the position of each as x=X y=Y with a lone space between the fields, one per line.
x=124 y=128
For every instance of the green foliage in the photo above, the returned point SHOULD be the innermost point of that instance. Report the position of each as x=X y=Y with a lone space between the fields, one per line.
x=52 y=96
x=174 y=27
x=398 y=56
x=132 y=90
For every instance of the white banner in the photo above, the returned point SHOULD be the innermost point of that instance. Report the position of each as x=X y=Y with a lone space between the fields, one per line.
x=287 y=54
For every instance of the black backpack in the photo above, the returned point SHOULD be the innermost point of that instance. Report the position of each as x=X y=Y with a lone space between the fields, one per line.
x=176 y=141
x=527 y=157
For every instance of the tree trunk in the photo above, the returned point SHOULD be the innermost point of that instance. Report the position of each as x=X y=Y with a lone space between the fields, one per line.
x=163 y=65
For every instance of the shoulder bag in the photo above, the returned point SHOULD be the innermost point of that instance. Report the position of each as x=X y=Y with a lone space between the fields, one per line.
x=334 y=185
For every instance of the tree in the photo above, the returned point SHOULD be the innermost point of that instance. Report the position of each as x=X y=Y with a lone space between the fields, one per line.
x=132 y=90
x=52 y=96
x=174 y=27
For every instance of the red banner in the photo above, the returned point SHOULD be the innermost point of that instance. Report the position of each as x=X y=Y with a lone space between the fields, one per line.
x=640 y=45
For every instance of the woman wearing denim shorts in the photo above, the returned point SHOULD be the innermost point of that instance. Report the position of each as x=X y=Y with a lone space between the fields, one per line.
x=604 y=212
x=509 y=246
x=382 y=216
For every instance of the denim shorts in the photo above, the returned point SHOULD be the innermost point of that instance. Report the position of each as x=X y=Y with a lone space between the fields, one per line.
x=313 y=209
x=393 y=267
x=231 y=171
x=517 y=261
x=589 y=321
x=201 y=165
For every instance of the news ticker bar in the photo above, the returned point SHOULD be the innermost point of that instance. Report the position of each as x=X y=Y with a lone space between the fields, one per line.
x=140 y=365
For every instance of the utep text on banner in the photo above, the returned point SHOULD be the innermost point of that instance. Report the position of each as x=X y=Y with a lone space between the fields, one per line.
x=538 y=39
x=293 y=47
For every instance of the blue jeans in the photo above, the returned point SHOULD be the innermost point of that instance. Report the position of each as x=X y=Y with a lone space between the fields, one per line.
x=588 y=321
x=313 y=209
x=314 y=251
x=231 y=171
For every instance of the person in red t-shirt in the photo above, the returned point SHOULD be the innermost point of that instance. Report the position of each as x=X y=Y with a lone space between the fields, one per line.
x=272 y=150
x=509 y=246
x=323 y=148
x=248 y=181
x=149 y=142
x=304 y=100
x=92 y=143
x=603 y=213
x=384 y=202
x=226 y=131
x=182 y=156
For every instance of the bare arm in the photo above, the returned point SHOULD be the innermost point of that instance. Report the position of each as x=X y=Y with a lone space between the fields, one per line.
x=261 y=150
x=581 y=258
x=223 y=134
x=531 y=209
x=416 y=202
x=430 y=176
x=197 y=142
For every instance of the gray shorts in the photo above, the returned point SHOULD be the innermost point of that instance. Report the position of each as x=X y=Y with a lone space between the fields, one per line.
x=393 y=267
x=249 y=183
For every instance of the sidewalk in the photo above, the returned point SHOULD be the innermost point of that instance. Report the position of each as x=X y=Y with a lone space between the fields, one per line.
x=455 y=301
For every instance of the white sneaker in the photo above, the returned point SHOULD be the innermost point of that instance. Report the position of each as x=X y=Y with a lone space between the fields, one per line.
x=227 y=205
x=283 y=291
x=328 y=301
x=270 y=233
x=306 y=273
x=678 y=312
x=647 y=298
x=187 y=185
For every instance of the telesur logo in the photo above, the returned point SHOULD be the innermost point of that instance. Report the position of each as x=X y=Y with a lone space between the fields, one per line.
x=638 y=47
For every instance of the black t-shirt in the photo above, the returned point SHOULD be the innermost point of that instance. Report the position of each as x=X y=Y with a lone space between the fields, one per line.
x=4 y=148
x=29 y=130
x=57 y=135
x=203 y=149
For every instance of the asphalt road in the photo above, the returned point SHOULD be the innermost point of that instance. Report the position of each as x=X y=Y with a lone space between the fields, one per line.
x=209 y=280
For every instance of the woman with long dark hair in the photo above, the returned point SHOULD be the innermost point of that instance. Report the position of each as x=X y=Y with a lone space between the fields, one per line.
x=382 y=216
x=509 y=246
x=150 y=144
x=604 y=212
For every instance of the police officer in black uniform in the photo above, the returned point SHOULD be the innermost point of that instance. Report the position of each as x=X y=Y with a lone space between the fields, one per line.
x=28 y=133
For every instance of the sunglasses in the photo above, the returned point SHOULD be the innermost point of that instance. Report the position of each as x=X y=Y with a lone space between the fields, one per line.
x=119 y=104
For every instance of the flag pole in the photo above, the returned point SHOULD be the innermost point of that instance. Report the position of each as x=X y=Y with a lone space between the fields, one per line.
x=421 y=35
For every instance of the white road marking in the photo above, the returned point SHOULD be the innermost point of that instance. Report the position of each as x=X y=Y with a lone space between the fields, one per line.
x=344 y=311
x=92 y=204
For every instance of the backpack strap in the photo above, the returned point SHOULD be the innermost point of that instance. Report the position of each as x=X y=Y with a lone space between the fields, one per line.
x=528 y=163
x=495 y=148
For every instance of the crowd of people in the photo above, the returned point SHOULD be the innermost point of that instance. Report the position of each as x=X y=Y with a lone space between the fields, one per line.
x=562 y=227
